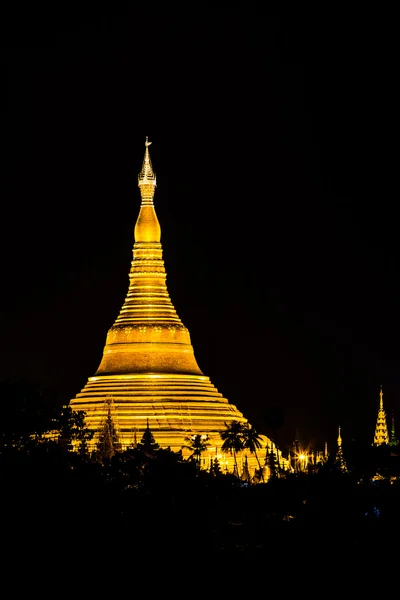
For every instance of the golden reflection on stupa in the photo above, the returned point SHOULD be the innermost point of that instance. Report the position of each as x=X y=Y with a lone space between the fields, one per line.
x=148 y=372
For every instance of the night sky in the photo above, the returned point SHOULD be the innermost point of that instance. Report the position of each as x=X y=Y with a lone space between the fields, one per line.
x=274 y=145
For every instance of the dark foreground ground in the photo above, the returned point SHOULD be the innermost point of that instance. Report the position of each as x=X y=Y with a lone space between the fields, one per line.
x=158 y=522
x=306 y=523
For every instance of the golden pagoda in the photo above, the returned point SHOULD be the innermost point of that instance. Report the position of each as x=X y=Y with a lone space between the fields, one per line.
x=340 y=461
x=148 y=372
x=381 y=431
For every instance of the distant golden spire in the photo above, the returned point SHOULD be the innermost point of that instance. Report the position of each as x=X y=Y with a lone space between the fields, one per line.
x=381 y=431
x=339 y=440
x=339 y=455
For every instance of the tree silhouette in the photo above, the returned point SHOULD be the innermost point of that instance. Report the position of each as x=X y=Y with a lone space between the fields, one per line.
x=274 y=420
x=245 y=475
x=252 y=441
x=270 y=461
x=197 y=444
x=233 y=441
x=28 y=412
x=72 y=428
x=215 y=467
x=148 y=444
x=108 y=443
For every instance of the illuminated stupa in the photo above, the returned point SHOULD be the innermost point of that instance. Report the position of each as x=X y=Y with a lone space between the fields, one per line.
x=148 y=372
x=381 y=431
x=340 y=461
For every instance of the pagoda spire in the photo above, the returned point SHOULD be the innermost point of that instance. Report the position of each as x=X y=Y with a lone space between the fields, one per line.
x=381 y=431
x=147 y=180
x=147 y=322
x=341 y=463
x=147 y=228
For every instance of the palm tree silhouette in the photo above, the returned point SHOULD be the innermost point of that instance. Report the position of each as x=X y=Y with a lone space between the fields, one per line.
x=233 y=440
x=252 y=441
x=197 y=444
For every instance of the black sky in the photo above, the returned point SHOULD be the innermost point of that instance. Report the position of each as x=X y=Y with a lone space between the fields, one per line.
x=274 y=148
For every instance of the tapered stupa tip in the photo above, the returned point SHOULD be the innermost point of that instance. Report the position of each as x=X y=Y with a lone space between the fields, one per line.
x=339 y=439
x=147 y=228
x=147 y=179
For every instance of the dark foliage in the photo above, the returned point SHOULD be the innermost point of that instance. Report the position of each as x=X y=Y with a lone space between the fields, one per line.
x=26 y=410
x=53 y=497
x=148 y=444
x=51 y=492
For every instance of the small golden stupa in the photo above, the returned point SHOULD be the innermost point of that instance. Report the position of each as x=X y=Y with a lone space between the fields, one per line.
x=381 y=430
x=148 y=373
